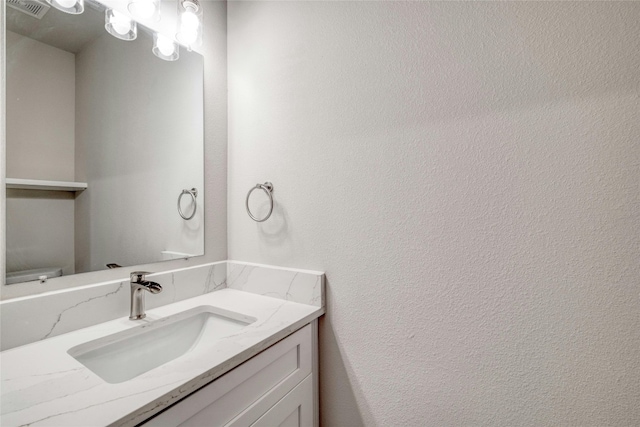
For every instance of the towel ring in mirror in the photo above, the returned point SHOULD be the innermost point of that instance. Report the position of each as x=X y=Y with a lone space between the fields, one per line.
x=193 y=193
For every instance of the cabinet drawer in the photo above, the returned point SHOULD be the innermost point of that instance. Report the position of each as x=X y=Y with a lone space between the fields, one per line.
x=242 y=395
x=294 y=410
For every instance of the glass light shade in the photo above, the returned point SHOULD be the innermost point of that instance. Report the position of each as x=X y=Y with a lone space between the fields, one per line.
x=74 y=7
x=165 y=48
x=190 y=23
x=148 y=10
x=120 y=25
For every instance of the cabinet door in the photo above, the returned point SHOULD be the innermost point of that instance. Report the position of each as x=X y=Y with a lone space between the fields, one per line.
x=293 y=410
x=244 y=394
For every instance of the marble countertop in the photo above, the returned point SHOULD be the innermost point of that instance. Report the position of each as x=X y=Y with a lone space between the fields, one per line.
x=43 y=386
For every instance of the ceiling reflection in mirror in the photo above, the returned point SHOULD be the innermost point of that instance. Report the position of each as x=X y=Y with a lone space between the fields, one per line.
x=103 y=139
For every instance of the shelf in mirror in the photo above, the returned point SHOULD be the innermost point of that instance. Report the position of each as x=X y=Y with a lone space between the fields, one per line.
x=39 y=184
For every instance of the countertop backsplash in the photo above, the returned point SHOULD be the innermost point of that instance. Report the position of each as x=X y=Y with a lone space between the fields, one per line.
x=29 y=319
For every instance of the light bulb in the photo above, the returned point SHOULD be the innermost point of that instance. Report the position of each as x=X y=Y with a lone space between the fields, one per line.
x=190 y=21
x=66 y=3
x=166 y=45
x=120 y=23
x=165 y=48
x=74 y=7
x=189 y=24
x=188 y=37
x=145 y=9
x=190 y=31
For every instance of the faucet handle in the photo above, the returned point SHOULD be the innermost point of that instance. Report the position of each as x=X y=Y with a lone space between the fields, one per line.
x=139 y=276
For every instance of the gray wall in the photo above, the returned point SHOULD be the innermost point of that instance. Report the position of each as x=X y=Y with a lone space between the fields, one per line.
x=41 y=110
x=467 y=174
x=139 y=133
x=3 y=141
x=40 y=135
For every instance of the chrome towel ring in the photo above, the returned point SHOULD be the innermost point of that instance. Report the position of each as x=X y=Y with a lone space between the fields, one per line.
x=193 y=193
x=267 y=187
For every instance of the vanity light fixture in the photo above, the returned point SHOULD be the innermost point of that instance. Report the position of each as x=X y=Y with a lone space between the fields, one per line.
x=74 y=7
x=190 y=23
x=165 y=48
x=145 y=9
x=120 y=25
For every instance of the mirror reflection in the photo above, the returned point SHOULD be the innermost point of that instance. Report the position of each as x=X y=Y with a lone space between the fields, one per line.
x=103 y=140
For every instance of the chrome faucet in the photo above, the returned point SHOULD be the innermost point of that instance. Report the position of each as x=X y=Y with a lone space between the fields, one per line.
x=139 y=284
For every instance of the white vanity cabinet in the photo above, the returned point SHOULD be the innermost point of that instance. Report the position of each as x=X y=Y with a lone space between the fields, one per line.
x=277 y=387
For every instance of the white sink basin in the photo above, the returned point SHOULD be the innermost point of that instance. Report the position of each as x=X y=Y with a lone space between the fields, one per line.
x=125 y=355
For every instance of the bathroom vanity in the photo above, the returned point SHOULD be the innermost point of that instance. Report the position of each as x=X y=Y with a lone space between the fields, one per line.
x=229 y=356
x=274 y=388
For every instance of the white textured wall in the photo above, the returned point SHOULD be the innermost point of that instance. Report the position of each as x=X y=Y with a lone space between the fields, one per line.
x=468 y=175
x=40 y=145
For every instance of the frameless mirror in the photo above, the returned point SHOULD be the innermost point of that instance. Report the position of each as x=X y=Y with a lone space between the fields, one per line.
x=104 y=146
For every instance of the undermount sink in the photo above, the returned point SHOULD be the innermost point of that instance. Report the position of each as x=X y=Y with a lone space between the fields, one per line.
x=125 y=355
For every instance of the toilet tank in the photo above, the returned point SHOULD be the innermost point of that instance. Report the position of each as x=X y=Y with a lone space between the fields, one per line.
x=34 y=274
